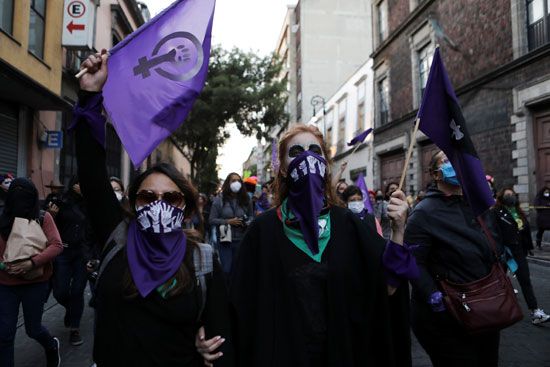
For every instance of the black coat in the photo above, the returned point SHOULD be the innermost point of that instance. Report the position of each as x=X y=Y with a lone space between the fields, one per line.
x=451 y=242
x=543 y=211
x=512 y=237
x=359 y=329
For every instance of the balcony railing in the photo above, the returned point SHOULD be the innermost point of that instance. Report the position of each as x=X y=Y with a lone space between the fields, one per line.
x=538 y=33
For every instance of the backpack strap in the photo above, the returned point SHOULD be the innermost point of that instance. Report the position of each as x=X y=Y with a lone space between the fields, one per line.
x=119 y=236
x=41 y=216
x=203 y=261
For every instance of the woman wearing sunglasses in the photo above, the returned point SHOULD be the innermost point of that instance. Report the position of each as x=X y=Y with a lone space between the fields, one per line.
x=309 y=287
x=149 y=305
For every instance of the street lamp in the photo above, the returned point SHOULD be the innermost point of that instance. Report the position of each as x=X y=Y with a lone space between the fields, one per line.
x=317 y=100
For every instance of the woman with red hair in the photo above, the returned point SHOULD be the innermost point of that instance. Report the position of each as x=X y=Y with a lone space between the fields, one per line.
x=311 y=284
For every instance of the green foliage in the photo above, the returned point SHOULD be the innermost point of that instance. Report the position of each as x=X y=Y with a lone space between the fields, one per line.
x=241 y=88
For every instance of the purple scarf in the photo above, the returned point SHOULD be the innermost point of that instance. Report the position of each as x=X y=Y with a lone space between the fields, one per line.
x=156 y=245
x=306 y=181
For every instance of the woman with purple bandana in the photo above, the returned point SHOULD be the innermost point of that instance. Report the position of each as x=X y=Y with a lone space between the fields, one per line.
x=150 y=302
x=311 y=284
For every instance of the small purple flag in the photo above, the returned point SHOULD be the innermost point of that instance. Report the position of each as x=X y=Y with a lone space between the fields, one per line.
x=360 y=183
x=442 y=121
x=274 y=158
x=360 y=138
x=156 y=74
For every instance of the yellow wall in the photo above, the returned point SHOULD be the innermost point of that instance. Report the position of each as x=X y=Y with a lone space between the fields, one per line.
x=17 y=54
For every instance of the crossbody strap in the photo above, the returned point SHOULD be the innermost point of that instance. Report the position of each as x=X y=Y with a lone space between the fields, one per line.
x=489 y=235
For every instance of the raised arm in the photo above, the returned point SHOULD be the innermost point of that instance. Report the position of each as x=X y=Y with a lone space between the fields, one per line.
x=104 y=209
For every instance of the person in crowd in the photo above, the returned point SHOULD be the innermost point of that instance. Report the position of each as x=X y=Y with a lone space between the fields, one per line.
x=231 y=213
x=390 y=188
x=542 y=206
x=419 y=197
x=151 y=299
x=353 y=197
x=263 y=203
x=491 y=182
x=118 y=188
x=70 y=275
x=452 y=246
x=380 y=208
x=5 y=181
x=516 y=235
x=55 y=196
x=309 y=287
x=340 y=187
x=372 y=197
x=338 y=175
x=16 y=288
x=197 y=221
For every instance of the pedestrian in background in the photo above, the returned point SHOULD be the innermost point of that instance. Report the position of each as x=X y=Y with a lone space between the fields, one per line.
x=70 y=273
x=453 y=247
x=16 y=288
x=5 y=181
x=380 y=208
x=231 y=213
x=55 y=196
x=542 y=206
x=353 y=197
x=516 y=235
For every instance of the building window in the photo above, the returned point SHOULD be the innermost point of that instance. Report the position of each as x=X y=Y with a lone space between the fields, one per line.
x=382 y=17
x=383 y=101
x=361 y=91
x=425 y=57
x=37 y=26
x=538 y=23
x=6 y=16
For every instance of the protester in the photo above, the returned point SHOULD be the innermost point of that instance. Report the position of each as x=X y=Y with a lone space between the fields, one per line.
x=263 y=203
x=118 y=188
x=381 y=214
x=338 y=176
x=542 y=206
x=390 y=188
x=516 y=235
x=340 y=187
x=197 y=221
x=5 y=181
x=231 y=213
x=309 y=288
x=150 y=300
x=70 y=275
x=353 y=197
x=17 y=286
x=451 y=247
x=372 y=197
x=55 y=196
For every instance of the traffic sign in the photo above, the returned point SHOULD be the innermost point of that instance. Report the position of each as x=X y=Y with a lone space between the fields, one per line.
x=54 y=139
x=78 y=24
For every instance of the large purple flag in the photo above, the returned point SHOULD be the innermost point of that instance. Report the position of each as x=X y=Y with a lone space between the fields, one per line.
x=360 y=138
x=156 y=74
x=442 y=121
x=360 y=183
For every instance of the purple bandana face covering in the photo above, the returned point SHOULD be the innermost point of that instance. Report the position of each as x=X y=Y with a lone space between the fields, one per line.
x=306 y=180
x=156 y=245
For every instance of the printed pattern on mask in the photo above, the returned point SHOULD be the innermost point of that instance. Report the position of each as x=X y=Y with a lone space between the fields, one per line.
x=313 y=165
x=159 y=217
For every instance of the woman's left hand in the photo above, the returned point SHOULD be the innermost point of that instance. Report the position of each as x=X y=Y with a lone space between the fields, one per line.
x=207 y=348
x=20 y=268
x=397 y=212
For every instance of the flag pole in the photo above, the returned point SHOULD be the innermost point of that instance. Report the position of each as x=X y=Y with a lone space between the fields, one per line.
x=409 y=153
x=356 y=147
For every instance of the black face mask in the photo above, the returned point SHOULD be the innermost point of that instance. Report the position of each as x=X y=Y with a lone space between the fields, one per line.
x=509 y=200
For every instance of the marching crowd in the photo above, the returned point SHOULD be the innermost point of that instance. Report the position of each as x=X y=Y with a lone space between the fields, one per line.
x=296 y=271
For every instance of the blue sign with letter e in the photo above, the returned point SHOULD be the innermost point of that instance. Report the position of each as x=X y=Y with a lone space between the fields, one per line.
x=55 y=139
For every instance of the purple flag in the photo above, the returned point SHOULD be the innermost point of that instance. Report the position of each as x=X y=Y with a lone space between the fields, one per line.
x=442 y=121
x=360 y=138
x=360 y=183
x=156 y=74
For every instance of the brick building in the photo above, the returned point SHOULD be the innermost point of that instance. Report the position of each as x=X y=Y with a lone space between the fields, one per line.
x=498 y=56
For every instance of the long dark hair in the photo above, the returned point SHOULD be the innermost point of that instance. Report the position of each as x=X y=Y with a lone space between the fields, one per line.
x=183 y=276
x=280 y=190
x=500 y=203
x=22 y=202
x=242 y=196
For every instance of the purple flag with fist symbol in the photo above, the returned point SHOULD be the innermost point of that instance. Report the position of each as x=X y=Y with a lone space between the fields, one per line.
x=157 y=73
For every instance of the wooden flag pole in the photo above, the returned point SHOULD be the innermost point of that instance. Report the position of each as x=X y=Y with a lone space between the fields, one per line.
x=81 y=72
x=356 y=147
x=409 y=153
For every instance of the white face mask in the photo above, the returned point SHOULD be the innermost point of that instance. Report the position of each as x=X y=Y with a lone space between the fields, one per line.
x=235 y=186
x=356 y=206
x=118 y=195
x=546 y=194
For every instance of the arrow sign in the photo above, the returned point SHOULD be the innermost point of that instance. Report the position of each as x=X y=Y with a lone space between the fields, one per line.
x=75 y=27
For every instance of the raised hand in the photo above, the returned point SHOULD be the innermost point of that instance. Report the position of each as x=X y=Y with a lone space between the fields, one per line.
x=166 y=216
x=96 y=76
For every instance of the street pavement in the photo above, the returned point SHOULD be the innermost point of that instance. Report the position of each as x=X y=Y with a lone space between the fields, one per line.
x=522 y=345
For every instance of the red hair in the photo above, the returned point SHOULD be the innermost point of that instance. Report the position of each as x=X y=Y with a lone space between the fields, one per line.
x=280 y=184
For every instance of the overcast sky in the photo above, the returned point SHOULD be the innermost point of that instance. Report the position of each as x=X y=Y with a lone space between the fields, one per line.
x=250 y=25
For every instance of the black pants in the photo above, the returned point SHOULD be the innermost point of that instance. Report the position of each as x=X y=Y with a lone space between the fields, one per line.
x=524 y=278
x=540 y=232
x=446 y=342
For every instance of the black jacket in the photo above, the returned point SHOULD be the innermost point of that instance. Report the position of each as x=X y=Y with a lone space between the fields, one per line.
x=512 y=237
x=451 y=242
x=359 y=329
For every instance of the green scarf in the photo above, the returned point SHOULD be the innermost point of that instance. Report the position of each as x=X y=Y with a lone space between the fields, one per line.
x=297 y=238
x=516 y=216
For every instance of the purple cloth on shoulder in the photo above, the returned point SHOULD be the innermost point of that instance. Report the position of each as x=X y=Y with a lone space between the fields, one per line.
x=399 y=263
x=89 y=107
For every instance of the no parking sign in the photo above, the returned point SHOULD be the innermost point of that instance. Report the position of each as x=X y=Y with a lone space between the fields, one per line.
x=78 y=24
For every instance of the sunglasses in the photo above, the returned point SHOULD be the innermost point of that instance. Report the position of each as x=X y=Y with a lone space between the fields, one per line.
x=297 y=149
x=174 y=198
